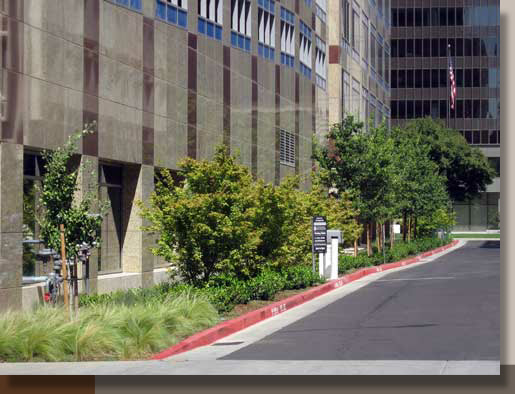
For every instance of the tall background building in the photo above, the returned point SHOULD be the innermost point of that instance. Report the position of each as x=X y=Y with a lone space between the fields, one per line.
x=421 y=32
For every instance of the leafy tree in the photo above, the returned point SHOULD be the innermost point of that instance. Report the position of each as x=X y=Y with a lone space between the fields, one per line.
x=360 y=164
x=465 y=168
x=59 y=202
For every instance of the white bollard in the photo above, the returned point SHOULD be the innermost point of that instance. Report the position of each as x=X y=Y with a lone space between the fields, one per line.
x=321 y=264
x=328 y=260
x=334 y=258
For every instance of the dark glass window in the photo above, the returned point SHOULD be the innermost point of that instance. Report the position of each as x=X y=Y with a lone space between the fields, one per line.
x=402 y=17
x=476 y=47
x=467 y=16
x=427 y=78
x=459 y=109
x=395 y=20
x=443 y=47
x=451 y=20
x=452 y=43
x=426 y=16
x=468 y=136
x=409 y=17
x=476 y=109
x=418 y=47
x=394 y=79
x=418 y=109
x=434 y=78
x=395 y=50
x=401 y=79
x=443 y=109
x=459 y=16
x=435 y=17
x=402 y=109
x=443 y=78
x=493 y=137
x=468 y=78
x=484 y=77
x=401 y=48
x=427 y=47
x=435 y=47
x=484 y=109
x=484 y=136
x=483 y=47
x=476 y=78
x=435 y=109
x=459 y=46
x=459 y=78
x=418 y=79
x=409 y=109
x=476 y=137
x=409 y=79
x=483 y=16
x=467 y=113
x=468 y=46
x=393 y=106
x=418 y=17
x=443 y=16
x=409 y=48
x=493 y=108
x=427 y=108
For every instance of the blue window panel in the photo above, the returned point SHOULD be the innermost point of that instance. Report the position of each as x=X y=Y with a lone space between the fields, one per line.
x=272 y=54
x=161 y=10
x=183 y=18
x=240 y=41
x=201 y=26
x=123 y=2
x=267 y=52
x=272 y=6
x=267 y=4
x=292 y=62
x=234 y=39
x=172 y=15
x=282 y=58
x=282 y=13
x=210 y=29
x=247 y=44
x=260 y=49
x=218 y=32
x=136 y=5
x=260 y=3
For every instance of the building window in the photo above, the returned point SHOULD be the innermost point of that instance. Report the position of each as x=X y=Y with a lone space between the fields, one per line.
x=240 y=24
x=364 y=38
x=320 y=63
x=356 y=100
x=305 y=50
x=346 y=20
x=287 y=148
x=266 y=29
x=309 y=3
x=111 y=190
x=287 y=37
x=134 y=5
x=173 y=11
x=372 y=50
x=409 y=17
x=355 y=31
x=380 y=56
x=321 y=7
x=364 y=107
x=387 y=64
x=210 y=18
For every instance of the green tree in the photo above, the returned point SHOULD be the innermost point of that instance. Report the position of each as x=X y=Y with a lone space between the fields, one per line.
x=60 y=204
x=465 y=168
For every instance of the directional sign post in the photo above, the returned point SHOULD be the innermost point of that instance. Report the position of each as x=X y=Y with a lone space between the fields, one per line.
x=319 y=232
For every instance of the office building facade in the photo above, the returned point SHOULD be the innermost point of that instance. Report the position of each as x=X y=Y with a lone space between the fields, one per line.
x=421 y=32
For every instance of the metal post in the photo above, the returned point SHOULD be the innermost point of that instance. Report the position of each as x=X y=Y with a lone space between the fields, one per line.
x=64 y=271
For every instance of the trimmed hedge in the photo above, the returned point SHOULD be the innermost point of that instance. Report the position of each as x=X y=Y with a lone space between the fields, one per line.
x=222 y=291
x=400 y=251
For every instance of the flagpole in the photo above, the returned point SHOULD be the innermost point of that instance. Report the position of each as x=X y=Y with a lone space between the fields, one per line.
x=448 y=87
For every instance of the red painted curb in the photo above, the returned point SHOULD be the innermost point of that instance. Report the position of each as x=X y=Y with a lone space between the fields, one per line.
x=231 y=326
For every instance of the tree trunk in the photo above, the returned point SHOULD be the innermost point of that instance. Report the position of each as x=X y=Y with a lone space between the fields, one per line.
x=404 y=226
x=409 y=228
x=392 y=235
x=369 y=245
x=355 y=248
x=415 y=229
x=378 y=236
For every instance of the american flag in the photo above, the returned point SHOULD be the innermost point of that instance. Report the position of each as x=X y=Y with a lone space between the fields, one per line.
x=453 y=81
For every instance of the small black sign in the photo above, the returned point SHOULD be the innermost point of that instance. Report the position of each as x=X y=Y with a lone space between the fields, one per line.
x=319 y=234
